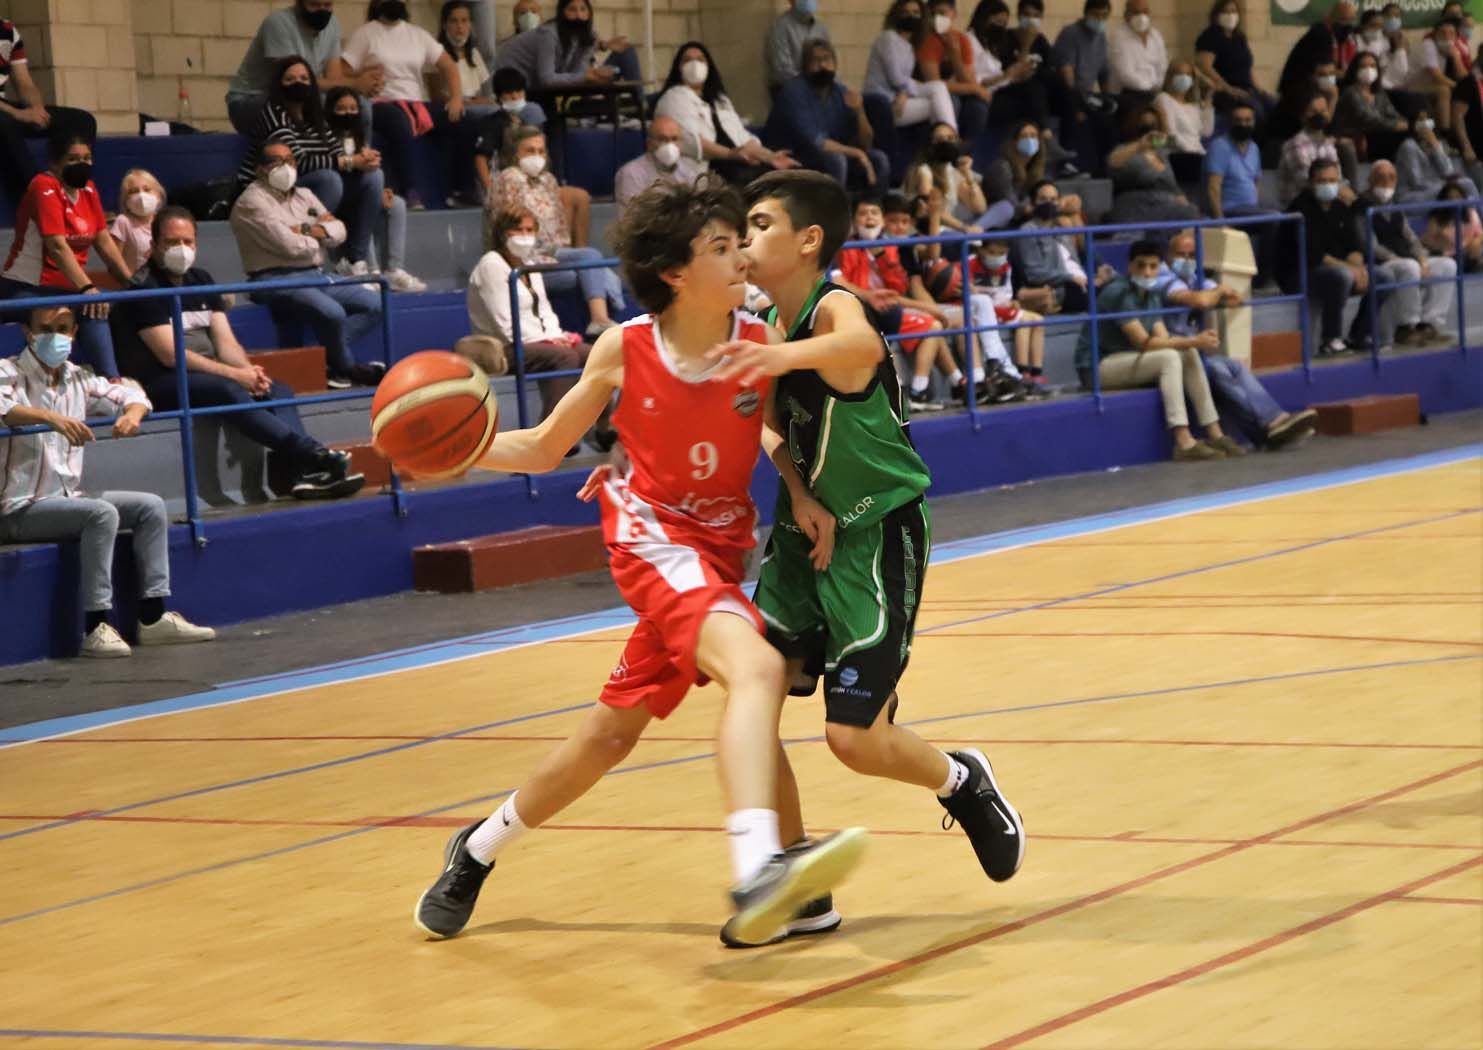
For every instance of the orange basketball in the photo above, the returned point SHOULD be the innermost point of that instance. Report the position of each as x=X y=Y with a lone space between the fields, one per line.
x=434 y=414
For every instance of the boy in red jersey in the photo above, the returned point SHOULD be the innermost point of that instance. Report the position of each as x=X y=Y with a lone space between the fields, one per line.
x=678 y=524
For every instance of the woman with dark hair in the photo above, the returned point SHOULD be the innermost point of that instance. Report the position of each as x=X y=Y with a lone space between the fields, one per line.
x=695 y=97
x=1143 y=182
x=890 y=72
x=1224 y=59
x=59 y=221
x=456 y=34
x=1024 y=158
x=567 y=52
x=1365 y=114
x=1017 y=92
x=347 y=184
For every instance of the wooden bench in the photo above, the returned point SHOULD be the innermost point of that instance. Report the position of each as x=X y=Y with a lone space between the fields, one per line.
x=508 y=558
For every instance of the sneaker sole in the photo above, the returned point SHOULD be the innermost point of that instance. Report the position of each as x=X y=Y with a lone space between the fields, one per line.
x=456 y=842
x=812 y=875
x=826 y=923
x=1014 y=814
x=103 y=654
x=178 y=640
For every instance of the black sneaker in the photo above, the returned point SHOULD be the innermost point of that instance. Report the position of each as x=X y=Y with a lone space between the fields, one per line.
x=324 y=484
x=987 y=818
x=338 y=381
x=444 y=909
x=368 y=374
x=816 y=916
x=769 y=900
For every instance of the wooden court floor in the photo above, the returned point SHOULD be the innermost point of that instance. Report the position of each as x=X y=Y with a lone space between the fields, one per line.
x=1247 y=743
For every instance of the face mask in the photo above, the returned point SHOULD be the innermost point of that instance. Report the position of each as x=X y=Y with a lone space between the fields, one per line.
x=297 y=92
x=1242 y=132
x=667 y=154
x=1027 y=146
x=941 y=24
x=1382 y=193
x=996 y=262
x=909 y=23
x=143 y=204
x=512 y=105
x=1140 y=23
x=1228 y=21
x=51 y=348
x=1342 y=31
x=527 y=21
x=179 y=258
x=821 y=77
x=522 y=245
x=458 y=41
x=807 y=7
x=1097 y=25
x=1392 y=25
x=1029 y=22
x=1326 y=191
x=317 y=20
x=1316 y=122
x=1425 y=125
x=345 y=122
x=1373 y=36
x=695 y=72
x=533 y=166
x=1185 y=268
x=1148 y=284
x=1047 y=210
x=1181 y=83
x=944 y=152
x=1466 y=32
x=392 y=11
x=283 y=177
x=77 y=175
x=867 y=233
x=1367 y=75
x=1328 y=81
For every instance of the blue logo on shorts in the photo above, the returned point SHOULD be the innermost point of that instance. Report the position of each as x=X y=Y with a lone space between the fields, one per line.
x=849 y=676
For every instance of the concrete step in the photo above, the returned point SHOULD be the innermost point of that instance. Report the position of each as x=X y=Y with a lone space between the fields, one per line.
x=507 y=558
x=1368 y=415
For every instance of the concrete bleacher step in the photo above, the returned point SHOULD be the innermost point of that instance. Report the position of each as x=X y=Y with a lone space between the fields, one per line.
x=301 y=368
x=1368 y=415
x=507 y=558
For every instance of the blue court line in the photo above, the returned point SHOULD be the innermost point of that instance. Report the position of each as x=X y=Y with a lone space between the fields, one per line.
x=233 y=1040
x=489 y=642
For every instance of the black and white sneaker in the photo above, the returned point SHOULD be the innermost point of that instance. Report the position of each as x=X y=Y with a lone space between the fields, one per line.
x=444 y=909
x=338 y=381
x=990 y=822
x=327 y=484
x=771 y=899
x=816 y=916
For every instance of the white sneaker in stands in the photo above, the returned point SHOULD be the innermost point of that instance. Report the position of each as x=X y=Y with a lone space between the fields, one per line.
x=346 y=268
x=402 y=281
x=104 y=643
x=173 y=629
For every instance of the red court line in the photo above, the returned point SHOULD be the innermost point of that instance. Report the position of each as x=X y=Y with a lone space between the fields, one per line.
x=1200 y=634
x=1079 y=903
x=1221 y=961
x=1420 y=899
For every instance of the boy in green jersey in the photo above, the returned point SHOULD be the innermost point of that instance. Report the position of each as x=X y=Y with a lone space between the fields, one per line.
x=842 y=574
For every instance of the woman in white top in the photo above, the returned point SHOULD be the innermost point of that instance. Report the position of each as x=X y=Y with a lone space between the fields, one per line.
x=402 y=109
x=457 y=37
x=696 y=98
x=892 y=63
x=1189 y=114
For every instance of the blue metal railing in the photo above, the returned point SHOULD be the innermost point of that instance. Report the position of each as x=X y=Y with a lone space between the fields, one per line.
x=186 y=413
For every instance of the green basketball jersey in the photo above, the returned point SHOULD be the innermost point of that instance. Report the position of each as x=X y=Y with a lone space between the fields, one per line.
x=853 y=451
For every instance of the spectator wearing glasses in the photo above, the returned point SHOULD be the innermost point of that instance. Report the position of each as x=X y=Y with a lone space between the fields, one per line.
x=663 y=161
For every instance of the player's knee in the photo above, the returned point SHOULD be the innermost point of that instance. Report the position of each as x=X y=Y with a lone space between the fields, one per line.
x=852 y=745
x=610 y=746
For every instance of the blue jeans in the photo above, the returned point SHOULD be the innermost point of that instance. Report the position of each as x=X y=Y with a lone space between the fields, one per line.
x=390 y=249
x=598 y=283
x=338 y=312
x=93 y=345
x=279 y=429
x=1241 y=398
x=627 y=64
x=355 y=199
x=846 y=170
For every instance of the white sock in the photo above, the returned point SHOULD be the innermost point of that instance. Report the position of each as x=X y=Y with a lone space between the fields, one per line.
x=919 y=383
x=957 y=776
x=503 y=827
x=955 y=378
x=754 y=839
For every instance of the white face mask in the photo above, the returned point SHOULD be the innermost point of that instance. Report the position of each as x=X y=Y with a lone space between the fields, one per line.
x=283 y=177
x=179 y=258
x=1328 y=81
x=1382 y=193
x=941 y=24
x=868 y=233
x=1367 y=75
x=521 y=245
x=1425 y=125
x=1140 y=23
x=512 y=105
x=667 y=154
x=1181 y=83
x=533 y=165
x=1374 y=36
x=694 y=72
x=142 y=204
x=458 y=41
x=527 y=21
x=1228 y=21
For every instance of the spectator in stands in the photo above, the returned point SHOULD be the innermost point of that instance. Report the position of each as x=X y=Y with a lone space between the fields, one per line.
x=1143 y=183
x=1467 y=119
x=401 y=111
x=695 y=96
x=944 y=171
x=944 y=54
x=1287 y=117
x=1381 y=35
x=545 y=347
x=59 y=222
x=308 y=29
x=387 y=250
x=457 y=37
x=561 y=53
x=1424 y=165
x=1336 y=256
x=1421 y=312
x=1139 y=351
x=1238 y=395
x=1190 y=117
x=1083 y=102
x=1044 y=262
x=524 y=183
x=1233 y=184
x=1440 y=235
x=1017 y=90
x=1461 y=57
x=1431 y=61
x=663 y=161
x=513 y=112
x=1024 y=158
x=25 y=114
x=1366 y=116
x=822 y=123
x=1312 y=143
x=139 y=196
x=282 y=231
x=346 y=183
x=890 y=72
x=1137 y=57
x=782 y=54
x=1224 y=57
x=41 y=497
x=993 y=275
x=1328 y=43
x=218 y=370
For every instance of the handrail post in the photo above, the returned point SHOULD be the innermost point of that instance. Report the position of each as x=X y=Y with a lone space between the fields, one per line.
x=970 y=338
x=1305 y=322
x=187 y=437
x=1091 y=276
x=399 y=506
x=517 y=348
x=1462 y=325
x=1372 y=299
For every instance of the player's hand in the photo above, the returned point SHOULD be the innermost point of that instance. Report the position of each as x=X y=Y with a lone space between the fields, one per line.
x=818 y=525
x=747 y=362
x=594 y=483
x=75 y=431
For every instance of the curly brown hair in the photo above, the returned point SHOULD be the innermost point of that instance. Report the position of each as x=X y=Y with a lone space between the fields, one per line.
x=653 y=235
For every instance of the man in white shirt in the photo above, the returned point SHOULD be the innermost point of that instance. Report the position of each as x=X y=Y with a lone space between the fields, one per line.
x=41 y=498
x=1136 y=57
x=663 y=162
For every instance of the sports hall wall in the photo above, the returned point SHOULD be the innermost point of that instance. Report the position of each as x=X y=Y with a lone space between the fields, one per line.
x=118 y=57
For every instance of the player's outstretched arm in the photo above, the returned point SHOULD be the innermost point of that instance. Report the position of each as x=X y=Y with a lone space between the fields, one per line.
x=541 y=448
x=845 y=349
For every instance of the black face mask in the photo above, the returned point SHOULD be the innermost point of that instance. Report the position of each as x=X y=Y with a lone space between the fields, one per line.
x=1342 y=31
x=1316 y=122
x=909 y=23
x=821 y=77
x=393 y=10
x=317 y=20
x=1242 y=132
x=1147 y=129
x=344 y=121
x=1047 y=210
x=298 y=92
x=77 y=175
x=944 y=152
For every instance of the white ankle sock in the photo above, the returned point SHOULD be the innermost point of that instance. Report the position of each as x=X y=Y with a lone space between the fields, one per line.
x=957 y=776
x=955 y=378
x=503 y=827
x=754 y=839
x=919 y=384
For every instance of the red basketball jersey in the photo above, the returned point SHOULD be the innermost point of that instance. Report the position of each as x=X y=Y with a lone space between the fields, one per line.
x=692 y=445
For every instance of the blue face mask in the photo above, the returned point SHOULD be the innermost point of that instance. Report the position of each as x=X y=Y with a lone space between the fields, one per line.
x=51 y=348
x=807 y=7
x=1392 y=25
x=1326 y=191
x=1028 y=147
x=1148 y=284
x=1097 y=25
x=1185 y=268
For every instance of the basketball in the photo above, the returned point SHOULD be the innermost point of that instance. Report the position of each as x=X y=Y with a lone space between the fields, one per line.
x=944 y=280
x=434 y=414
